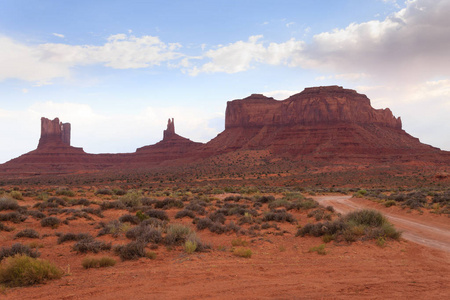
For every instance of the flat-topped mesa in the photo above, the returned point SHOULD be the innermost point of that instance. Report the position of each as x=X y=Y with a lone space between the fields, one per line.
x=54 y=132
x=316 y=105
x=170 y=131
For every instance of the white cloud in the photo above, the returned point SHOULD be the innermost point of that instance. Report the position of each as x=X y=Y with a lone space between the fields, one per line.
x=58 y=35
x=45 y=62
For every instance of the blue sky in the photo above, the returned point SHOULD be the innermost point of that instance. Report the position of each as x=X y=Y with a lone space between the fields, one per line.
x=117 y=70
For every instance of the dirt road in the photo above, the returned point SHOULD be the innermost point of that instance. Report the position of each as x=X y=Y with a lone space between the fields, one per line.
x=430 y=233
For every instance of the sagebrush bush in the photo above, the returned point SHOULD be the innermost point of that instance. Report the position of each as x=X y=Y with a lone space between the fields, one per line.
x=130 y=251
x=8 y=204
x=145 y=234
x=22 y=270
x=158 y=214
x=130 y=219
x=73 y=237
x=91 y=245
x=131 y=199
x=112 y=205
x=177 y=234
x=18 y=249
x=50 y=222
x=169 y=203
x=102 y=262
x=16 y=195
x=185 y=213
x=28 y=233
x=13 y=216
x=3 y=227
x=278 y=216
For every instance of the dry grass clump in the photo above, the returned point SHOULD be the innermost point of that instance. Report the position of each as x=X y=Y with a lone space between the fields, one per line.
x=91 y=245
x=73 y=237
x=102 y=262
x=13 y=216
x=158 y=214
x=22 y=270
x=242 y=252
x=50 y=222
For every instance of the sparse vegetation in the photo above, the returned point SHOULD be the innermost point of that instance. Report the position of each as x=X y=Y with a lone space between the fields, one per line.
x=102 y=262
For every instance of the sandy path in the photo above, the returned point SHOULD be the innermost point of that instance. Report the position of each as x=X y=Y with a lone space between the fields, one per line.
x=431 y=234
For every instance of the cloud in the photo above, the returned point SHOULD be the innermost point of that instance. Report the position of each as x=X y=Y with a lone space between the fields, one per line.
x=45 y=62
x=58 y=35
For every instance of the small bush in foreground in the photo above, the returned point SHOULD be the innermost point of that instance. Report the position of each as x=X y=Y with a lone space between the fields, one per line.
x=239 y=242
x=91 y=262
x=242 y=252
x=16 y=195
x=190 y=246
x=22 y=270
x=13 y=216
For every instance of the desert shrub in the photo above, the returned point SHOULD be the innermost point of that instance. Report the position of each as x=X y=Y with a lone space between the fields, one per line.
x=46 y=204
x=28 y=233
x=112 y=205
x=265 y=199
x=65 y=192
x=217 y=217
x=103 y=192
x=366 y=217
x=16 y=195
x=8 y=204
x=330 y=208
x=153 y=222
x=50 y=222
x=320 y=229
x=242 y=252
x=239 y=242
x=278 y=216
x=130 y=251
x=90 y=245
x=415 y=200
x=443 y=198
x=119 y=192
x=303 y=204
x=185 y=213
x=390 y=203
x=318 y=214
x=36 y=214
x=319 y=249
x=114 y=228
x=58 y=201
x=169 y=203
x=130 y=219
x=18 y=249
x=13 y=216
x=204 y=223
x=217 y=228
x=145 y=234
x=3 y=227
x=93 y=211
x=190 y=247
x=81 y=201
x=92 y=262
x=22 y=270
x=73 y=237
x=158 y=214
x=177 y=234
x=198 y=207
x=131 y=199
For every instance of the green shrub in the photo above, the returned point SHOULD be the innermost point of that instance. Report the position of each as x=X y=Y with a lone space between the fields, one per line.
x=65 y=192
x=190 y=246
x=16 y=195
x=91 y=262
x=177 y=234
x=131 y=199
x=238 y=242
x=22 y=270
x=319 y=249
x=242 y=252
x=367 y=217
x=390 y=203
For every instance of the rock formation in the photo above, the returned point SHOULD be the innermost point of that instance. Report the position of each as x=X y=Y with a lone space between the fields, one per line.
x=320 y=105
x=329 y=124
x=54 y=132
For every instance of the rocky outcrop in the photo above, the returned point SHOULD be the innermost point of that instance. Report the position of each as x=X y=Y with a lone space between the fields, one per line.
x=170 y=131
x=54 y=132
x=313 y=106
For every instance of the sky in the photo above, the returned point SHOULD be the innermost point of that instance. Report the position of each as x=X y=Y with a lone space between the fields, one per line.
x=117 y=70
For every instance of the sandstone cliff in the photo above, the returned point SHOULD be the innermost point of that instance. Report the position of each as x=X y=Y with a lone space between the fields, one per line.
x=54 y=132
x=319 y=105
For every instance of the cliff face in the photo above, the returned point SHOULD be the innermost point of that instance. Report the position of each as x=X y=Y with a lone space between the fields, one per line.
x=313 y=106
x=54 y=132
